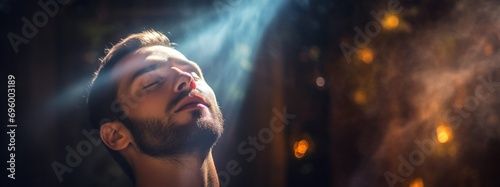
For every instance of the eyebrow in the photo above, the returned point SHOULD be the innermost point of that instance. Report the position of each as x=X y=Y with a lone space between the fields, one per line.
x=146 y=69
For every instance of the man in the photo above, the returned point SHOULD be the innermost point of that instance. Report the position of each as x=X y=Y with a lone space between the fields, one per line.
x=156 y=114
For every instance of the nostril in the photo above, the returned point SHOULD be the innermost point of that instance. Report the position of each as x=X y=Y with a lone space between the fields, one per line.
x=193 y=85
x=181 y=86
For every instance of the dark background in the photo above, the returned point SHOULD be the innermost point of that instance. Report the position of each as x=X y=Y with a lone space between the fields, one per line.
x=358 y=124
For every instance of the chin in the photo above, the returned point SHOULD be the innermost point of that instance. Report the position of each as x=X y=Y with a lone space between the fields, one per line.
x=203 y=118
x=183 y=132
x=207 y=130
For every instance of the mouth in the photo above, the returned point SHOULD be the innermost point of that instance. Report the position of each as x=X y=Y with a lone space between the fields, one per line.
x=194 y=102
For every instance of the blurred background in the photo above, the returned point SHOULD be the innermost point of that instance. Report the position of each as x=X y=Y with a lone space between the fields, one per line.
x=314 y=92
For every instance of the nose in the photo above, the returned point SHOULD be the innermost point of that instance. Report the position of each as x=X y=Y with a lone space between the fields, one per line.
x=184 y=81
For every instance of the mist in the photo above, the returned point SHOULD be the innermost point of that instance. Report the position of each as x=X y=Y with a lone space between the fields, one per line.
x=434 y=95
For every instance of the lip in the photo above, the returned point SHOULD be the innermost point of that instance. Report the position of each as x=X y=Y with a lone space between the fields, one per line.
x=191 y=102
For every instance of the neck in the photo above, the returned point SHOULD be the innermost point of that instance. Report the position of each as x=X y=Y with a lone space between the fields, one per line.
x=194 y=169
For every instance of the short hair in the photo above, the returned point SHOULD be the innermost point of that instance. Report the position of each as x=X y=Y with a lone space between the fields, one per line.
x=102 y=90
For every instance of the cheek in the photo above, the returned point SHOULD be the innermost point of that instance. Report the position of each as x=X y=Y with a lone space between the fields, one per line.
x=212 y=95
x=150 y=105
x=207 y=90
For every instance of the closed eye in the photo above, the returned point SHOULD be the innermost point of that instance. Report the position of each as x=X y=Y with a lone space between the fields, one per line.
x=151 y=85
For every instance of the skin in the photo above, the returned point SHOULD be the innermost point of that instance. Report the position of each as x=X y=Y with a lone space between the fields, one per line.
x=169 y=74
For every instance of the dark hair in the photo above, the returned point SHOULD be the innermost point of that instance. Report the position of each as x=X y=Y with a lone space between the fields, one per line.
x=103 y=88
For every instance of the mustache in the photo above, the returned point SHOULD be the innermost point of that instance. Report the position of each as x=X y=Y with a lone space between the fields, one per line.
x=176 y=100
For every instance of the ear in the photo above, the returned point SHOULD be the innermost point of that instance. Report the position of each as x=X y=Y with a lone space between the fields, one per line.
x=115 y=135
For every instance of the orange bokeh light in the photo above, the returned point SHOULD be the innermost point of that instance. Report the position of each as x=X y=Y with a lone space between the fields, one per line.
x=300 y=148
x=360 y=97
x=390 y=22
x=418 y=182
x=444 y=133
x=366 y=55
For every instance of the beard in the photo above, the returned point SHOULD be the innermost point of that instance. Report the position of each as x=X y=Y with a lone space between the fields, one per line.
x=158 y=137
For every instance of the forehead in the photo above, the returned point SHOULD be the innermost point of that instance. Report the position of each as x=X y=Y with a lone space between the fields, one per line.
x=145 y=56
x=157 y=53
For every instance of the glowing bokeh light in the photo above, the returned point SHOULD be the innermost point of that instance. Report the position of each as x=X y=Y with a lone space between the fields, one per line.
x=300 y=148
x=418 y=182
x=366 y=55
x=320 y=81
x=444 y=133
x=390 y=22
x=360 y=97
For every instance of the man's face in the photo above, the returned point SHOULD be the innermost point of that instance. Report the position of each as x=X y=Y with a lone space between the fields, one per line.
x=170 y=108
